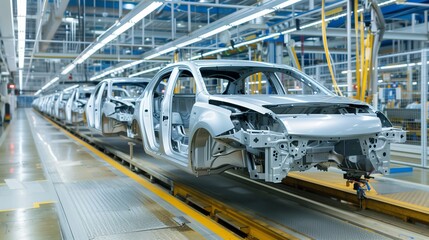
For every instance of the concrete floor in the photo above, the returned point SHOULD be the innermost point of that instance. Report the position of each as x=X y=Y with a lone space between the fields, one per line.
x=53 y=188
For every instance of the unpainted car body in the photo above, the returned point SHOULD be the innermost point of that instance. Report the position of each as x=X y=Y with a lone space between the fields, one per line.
x=209 y=116
x=60 y=104
x=110 y=108
x=75 y=106
x=49 y=105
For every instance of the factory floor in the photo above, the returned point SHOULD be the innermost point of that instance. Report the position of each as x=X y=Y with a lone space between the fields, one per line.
x=53 y=188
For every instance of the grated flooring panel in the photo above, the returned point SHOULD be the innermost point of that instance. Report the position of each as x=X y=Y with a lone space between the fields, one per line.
x=110 y=207
x=417 y=197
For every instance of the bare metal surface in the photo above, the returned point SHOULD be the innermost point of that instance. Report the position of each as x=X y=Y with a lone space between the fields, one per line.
x=209 y=116
x=111 y=207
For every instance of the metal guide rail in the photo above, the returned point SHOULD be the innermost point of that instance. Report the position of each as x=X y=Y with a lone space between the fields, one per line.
x=239 y=223
x=404 y=211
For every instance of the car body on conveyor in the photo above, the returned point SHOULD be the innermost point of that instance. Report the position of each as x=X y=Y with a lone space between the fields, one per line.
x=49 y=105
x=60 y=104
x=109 y=110
x=209 y=116
x=75 y=106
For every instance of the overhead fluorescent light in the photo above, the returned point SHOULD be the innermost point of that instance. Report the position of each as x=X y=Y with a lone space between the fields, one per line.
x=38 y=92
x=149 y=9
x=70 y=88
x=160 y=53
x=129 y=6
x=216 y=51
x=216 y=31
x=286 y=4
x=68 y=69
x=257 y=40
x=236 y=45
x=118 y=28
x=251 y=17
x=50 y=83
x=168 y=50
x=124 y=27
x=22 y=21
x=189 y=42
x=145 y=71
x=386 y=3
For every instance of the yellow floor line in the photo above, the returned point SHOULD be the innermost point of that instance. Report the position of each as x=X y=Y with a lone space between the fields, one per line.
x=210 y=224
x=35 y=205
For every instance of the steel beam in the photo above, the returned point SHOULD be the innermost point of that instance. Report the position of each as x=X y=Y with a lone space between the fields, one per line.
x=51 y=26
x=391 y=35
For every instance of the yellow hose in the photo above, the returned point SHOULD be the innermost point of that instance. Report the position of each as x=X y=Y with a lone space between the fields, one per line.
x=292 y=48
x=259 y=77
x=365 y=71
x=325 y=46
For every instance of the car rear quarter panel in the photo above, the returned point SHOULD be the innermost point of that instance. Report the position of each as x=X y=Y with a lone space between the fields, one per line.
x=214 y=119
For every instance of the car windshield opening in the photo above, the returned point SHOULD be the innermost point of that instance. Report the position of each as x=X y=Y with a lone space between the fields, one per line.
x=257 y=81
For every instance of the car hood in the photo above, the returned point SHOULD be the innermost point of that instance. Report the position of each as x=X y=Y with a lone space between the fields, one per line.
x=311 y=125
x=262 y=100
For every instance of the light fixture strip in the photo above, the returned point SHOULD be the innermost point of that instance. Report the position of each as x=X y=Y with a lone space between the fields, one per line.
x=145 y=71
x=50 y=83
x=70 y=88
x=251 y=17
x=117 y=29
x=285 y=4
x=22 y=21
x=68 y=69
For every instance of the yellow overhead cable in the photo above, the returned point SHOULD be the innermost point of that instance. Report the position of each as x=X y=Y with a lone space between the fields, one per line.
x=367 y=65
x=259 y=76
x=325 y=46
x=362 y=57
x=295 y=57
x=176 y=56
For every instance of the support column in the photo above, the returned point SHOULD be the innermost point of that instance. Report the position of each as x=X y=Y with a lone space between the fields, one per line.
x=349 y=51
x=279 y=53
x=424 y=110
x=271 y=52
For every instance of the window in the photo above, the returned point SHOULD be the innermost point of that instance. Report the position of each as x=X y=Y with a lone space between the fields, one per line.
x=127 y=89
x=238 y=80
x=244 y=80
x=296 y=84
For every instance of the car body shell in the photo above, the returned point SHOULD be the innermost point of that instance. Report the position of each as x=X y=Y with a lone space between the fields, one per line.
x=75 y=106
x=270 y=133
x=112 y=115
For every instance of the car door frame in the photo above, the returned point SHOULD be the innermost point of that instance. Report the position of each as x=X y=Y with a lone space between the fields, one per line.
x=166 y=114
x=98 y=105
x=150 y=142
